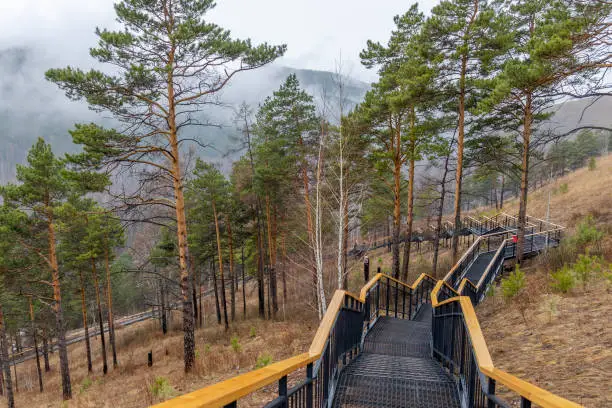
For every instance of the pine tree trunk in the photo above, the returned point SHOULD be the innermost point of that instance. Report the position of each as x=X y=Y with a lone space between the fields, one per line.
x=522 y=216
x=220 y=256
x=501 y=192
x=459 y=171
x=439 y=216
x=85 y=323
x=164 y=312
x=272 y=254
x=109 y=305
x=94 y=274
x=397 y=206
x=407 y=245
x=181 y=222
x=243 y=284
x=34 y=339
x=58 y=310
x=194 y=295
x=284 y=272
x=261 y=296
x=217 y=304
x=230 y=243
x=4 y=358
x=46 y=350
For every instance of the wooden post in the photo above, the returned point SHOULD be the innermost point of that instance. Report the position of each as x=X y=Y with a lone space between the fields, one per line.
x=150 y=362
x=366 y=269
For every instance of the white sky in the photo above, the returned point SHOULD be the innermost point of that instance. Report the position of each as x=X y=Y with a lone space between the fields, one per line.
x=315 y=31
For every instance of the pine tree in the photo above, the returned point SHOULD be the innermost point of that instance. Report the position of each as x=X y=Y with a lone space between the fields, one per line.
x=41 y=190
x=462 y=35
x=169 y=62
x=286 y=124
x=555 y=46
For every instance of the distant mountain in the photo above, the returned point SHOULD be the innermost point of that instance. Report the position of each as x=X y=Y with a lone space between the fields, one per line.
x=31 y=107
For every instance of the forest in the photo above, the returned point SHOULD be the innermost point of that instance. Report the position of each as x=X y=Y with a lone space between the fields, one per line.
x=137 y=220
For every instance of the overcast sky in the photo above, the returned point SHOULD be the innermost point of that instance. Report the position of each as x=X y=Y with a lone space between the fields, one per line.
x=315 y=31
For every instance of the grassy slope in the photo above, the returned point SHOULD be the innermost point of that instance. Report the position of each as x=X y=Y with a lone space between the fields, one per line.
x=564 y=344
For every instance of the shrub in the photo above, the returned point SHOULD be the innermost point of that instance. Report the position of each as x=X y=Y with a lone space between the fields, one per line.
x=592 y=164
x=513 y=284
x=550 y=305
x=161 y=388
x=235 y=342
x=587 y=233
x=585 y=266
x=563 y=279
x=563 y=188
x=85 y=385
x=263 y=360
x=555 y=258
x=207 y=348
x=252 y=333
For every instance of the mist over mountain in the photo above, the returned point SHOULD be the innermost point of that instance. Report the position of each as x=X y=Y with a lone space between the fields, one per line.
x=31 y=107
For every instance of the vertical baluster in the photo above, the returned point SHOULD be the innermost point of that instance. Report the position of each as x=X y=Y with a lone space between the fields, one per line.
x=491 y=391
x=396 y=294
x=377 y=297
x=387 y=297
x=282 y=391
x=231 y=405
x=404 y=303
x=525 y=403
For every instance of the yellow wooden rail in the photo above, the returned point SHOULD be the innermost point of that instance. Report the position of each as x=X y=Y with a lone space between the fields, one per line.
x=536 y=395
x=225 y=392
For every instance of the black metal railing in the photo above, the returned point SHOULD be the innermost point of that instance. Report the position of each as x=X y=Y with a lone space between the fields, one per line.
x=385 y=297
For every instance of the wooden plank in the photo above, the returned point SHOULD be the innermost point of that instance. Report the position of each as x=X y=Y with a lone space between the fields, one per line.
x=533 y=393
x=478 y=342
x=225 y=392
x=322 y=334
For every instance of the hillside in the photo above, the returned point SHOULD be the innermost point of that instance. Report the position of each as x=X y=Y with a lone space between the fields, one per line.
x=562 y=342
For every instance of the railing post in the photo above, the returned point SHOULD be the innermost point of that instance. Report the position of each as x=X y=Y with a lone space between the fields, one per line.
x=387 y=297
x=525 y=403
x=282 y=391
x=396 y=299
x=404 y=303
x=490 y=391
x=377 y=298
x=231 y=405
x=309 y=387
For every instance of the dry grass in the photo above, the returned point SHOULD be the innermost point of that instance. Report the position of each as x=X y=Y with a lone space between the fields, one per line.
x=565 y=343
x=130 y=384
x=588 y=192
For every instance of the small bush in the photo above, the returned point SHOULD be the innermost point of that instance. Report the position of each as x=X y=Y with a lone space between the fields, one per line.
x=263 y=360
x=207 y=348
x=563 y=279
x=585 y=267
x=563 y=188
x=87 y=382
x=161 y=388
x=550 y=306
x=252 y=333
x=592 y=164
x=513 y=284
x=587 y=233
x=235 y=342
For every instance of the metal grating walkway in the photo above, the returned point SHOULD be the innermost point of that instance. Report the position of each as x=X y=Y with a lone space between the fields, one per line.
x=396 y=369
